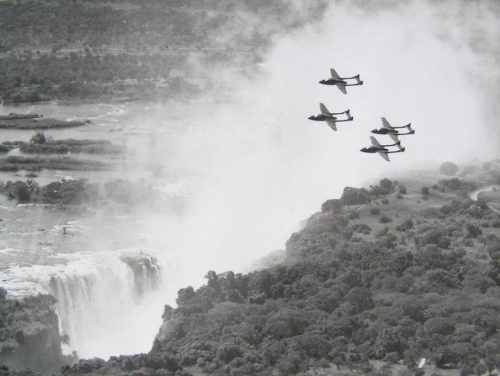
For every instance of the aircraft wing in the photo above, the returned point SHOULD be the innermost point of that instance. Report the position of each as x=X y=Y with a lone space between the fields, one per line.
x=341 y=87
x=386 y=124
x=323 y=109
x=375 y=142
x=334 y=74
x=331 y=124
x=394 y=137
x=383 y=155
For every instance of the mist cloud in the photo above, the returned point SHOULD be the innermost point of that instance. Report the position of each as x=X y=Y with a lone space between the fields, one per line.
x=254 y=167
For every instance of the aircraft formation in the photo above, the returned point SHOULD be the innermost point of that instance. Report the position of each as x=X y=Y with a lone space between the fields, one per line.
x=332 y=118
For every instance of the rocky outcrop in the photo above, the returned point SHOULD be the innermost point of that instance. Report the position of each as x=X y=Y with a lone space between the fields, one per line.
x=146 y=272
x=29 y=334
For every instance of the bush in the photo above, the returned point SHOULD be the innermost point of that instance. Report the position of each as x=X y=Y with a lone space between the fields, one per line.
x=406 y=225
x=355 y=196
x=38 y=138
x=448 y=168
x=355 y=215
x=472 y=231
x=385 y=219
x=375 y=211
x=334 y=205
x=228 y=352
x=362 y=228
x=385 y=187
x=425 y=191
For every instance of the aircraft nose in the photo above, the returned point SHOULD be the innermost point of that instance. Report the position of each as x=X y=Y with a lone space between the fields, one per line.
x=311 y=117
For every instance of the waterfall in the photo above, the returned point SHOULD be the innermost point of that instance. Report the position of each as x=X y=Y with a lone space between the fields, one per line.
x=103 y=300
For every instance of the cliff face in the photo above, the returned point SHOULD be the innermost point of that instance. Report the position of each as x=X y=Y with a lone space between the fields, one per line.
x=29 y=334
x=378 y=280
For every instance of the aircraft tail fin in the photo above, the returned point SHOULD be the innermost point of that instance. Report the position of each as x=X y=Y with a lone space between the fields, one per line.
x=410 y=129
x=348 y=114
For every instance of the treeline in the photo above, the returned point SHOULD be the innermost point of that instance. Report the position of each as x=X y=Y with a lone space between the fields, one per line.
x=60 y=23
x=39 y=144
x=78 y=192
x=347 y=295
x=76 y=49
x=45 y=77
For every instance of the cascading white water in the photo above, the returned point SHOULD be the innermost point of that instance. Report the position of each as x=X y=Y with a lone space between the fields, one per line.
x=97 y=295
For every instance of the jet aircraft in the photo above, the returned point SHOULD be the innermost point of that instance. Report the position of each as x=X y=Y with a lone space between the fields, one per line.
x=393 y=132
x=329 y=117
x=382 y=150
x=341 y=82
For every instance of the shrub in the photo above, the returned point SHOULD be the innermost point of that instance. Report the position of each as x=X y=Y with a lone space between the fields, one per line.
x=38 y=138
x=228 y=352
x=406 y=225
x=385 y=187
x=385 y=219
x=20 y=190
x=448 y=168
x=362 y=228
x=335 y=205
x=355 y=196
x=353 y=215
x=375 y=211
x=472 y=231
x=425 y=191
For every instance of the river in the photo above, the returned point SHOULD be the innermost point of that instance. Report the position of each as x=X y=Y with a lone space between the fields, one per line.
x=85 y=256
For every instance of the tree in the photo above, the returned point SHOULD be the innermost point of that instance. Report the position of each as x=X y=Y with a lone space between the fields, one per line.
x=448 y=168
x=38 y=138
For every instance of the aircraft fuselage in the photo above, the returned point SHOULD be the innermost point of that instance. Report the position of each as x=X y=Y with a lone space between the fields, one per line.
x=322 y=117
x=332 y=81
x=385 y=131
x=374 y=149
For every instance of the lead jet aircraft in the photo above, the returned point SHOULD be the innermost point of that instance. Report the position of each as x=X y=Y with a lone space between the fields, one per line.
x=393 y=132
x=382 y=149
x=341 y=82
x=329 y=117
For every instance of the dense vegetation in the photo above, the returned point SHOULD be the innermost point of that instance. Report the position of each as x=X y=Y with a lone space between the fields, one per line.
x=16 y=163
x=81 y=49
x=353 y=291
x=80 y=192
x=39 y=144
x=18 y=121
